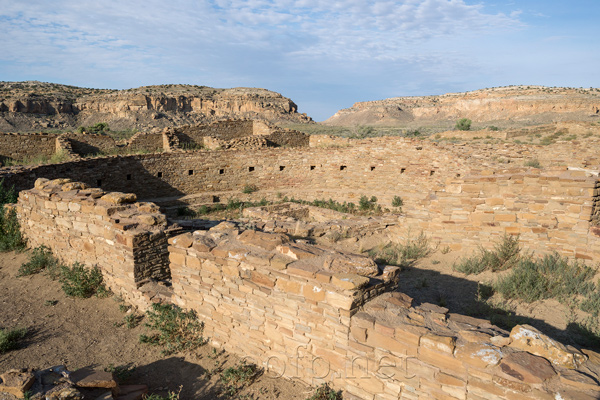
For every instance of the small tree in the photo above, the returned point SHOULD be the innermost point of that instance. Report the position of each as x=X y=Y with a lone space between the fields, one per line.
x=463 y=124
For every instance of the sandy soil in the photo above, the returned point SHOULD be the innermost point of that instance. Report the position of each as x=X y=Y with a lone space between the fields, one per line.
x=84 y=332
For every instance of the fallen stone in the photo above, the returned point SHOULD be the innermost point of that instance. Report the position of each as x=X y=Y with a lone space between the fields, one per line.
x=74 y=186
x=527 y=368
x=527 y=338
x=480 y=355
x=203 y=244
x=186 y=240
x=41 y=183
x=267 y=241
x=146 y=219
x=16 y=382
x=91 y=378
x=401 y=300
x=119 y=198
x=64 y=392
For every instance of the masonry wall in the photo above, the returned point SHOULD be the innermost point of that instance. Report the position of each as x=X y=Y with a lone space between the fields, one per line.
x=152 y=142
x=126 y=240
x=20 y=146
x=224 y=130
x=320 y=326
x=551 y=209
x=89 y=144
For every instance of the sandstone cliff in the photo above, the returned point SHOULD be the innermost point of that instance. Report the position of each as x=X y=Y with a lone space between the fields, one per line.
x=505 y=106
x=34 y=105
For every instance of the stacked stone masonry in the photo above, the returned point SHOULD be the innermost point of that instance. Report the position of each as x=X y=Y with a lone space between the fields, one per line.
x=124 y=238
x=451 y=198
x=303 y=310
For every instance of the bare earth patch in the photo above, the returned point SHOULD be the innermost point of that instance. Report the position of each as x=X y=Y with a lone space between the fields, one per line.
x=90 y=332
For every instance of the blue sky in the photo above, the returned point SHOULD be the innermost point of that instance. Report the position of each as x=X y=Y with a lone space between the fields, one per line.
x=324 y=55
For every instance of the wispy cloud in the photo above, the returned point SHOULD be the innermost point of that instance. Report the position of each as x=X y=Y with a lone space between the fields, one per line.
x=286 y=45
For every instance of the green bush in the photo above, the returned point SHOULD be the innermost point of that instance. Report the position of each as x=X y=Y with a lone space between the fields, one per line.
x=250 y=189
x=82 y=282
x=177 y=330
x=236 y=378
x=403 y=253
x=463 y=124
x=550 y=277
x=397 y=201
x=10 y=338
x=40 y=259
x=533 y=163
x=325 y=392
x=505 y=254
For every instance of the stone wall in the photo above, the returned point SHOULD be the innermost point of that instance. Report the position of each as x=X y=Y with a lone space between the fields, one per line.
x=85 y=144
x=26 y=146
x=453 y=199
x=303 y=310
x=152 y=142
x=281 y=307
x=125 y=239
x=223 y=130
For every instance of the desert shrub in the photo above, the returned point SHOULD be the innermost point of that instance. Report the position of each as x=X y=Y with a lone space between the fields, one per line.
x=403 y=253
x=493 y=128
x=533 y=163
x=325 y=392
x=236 y=378
x=463 y=124
x=176 y=330
x=397 y=201
x=591 y=303
x=550 y=277
x=82 y=282
x=40 y=259
x=249 y=189
x=10 y=338
x=10 y=230
x=505 y=254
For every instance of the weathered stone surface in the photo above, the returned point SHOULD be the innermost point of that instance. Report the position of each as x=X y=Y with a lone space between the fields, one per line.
x=91 y=378
x=267 y=241
x=528 y=338
x=401 y=300
x=119 y=198
x=132 y=392
x=64 y=393
x=16 y=382
x=352 y=264
x=186 y=240
x=349 y=281
x=578 y=379
x=74 y=186
x=478 y=354
x=527 y=368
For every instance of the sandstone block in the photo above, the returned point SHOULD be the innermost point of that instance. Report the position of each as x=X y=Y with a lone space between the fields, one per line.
x=527 y=338
x=119 y=198
x=91 y=378
x=527 y=368
x=267 y=241
x=186 y=240
x=16 y=382
x=445 y=344
x=480 y=355
x=349 y=281
x=579 y=380
x=401 y=300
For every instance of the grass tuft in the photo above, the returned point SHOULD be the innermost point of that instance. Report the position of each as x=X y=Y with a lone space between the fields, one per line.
x=177 y=330
x=236 y=378
x=10 y=338
x=505 y=254
x=325 y=392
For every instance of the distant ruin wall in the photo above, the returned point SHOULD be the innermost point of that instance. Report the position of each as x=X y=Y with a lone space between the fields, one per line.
x=125 y=240
x=86 y=144
x=223 y=130
x=151 y=142
x=23 y=146
x=551 y=209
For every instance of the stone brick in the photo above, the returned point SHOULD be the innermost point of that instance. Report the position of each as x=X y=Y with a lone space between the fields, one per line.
x=527 y=368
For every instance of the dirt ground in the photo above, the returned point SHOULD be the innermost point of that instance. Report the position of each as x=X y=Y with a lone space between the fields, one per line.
x=85 y=332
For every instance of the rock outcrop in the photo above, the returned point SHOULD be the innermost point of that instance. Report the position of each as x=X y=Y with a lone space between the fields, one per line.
x=502 y=106
x=35 y=105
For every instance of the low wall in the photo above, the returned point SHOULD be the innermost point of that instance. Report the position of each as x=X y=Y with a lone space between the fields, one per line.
x=125 y=239
x=85 y=144
x=152 y=142
x=303 y=310
x=269 y=301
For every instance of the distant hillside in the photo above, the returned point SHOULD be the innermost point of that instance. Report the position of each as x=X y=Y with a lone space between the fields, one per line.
x=33 y=106
x=504 y=107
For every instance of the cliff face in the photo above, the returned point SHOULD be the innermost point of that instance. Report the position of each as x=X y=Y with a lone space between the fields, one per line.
x=517 y=104
x=34 y=105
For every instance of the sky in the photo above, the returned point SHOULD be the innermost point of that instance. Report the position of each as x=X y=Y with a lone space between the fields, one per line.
x=324 y=55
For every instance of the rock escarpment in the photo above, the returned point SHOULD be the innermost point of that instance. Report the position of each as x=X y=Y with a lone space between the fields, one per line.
x=34 y=105
x=504 y=106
